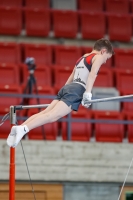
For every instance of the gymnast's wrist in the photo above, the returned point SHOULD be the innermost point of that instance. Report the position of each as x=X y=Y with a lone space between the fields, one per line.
x=87 y=95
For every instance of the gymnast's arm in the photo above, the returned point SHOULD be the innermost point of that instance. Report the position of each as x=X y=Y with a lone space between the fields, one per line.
x=98 y=61
x=70 y=79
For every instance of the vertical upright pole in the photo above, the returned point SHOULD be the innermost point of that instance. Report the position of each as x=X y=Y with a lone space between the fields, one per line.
x=12 y=158
x=12 y=175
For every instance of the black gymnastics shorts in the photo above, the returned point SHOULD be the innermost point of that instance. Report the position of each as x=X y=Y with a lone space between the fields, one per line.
x=71 y=94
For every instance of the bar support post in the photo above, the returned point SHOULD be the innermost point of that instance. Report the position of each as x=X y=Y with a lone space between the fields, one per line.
x=12 y=158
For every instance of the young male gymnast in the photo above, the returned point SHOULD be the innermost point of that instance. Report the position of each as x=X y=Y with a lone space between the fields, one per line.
x=77 y=90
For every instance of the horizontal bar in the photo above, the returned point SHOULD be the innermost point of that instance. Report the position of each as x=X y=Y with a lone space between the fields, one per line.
x=111 y=99
x=21 y=107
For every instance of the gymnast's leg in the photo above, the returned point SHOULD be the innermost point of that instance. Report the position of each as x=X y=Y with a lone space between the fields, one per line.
x=59 y=110
x=12 y=135
x=49 y=108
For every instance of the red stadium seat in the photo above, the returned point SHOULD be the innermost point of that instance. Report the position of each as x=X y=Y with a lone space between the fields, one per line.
x=80 y=131
x=117 y=6
x=90 y=5
x=92 y=25
x=10 y=21
x=130 y=127
x=37 y=22
x=47 y=131
x=108 y=132
x=37 y=3
x=124 y=79
x=61 y=74
x=9 y=53
x=108 y=63
x=65 y=23
x=42 y=75
x=5 y=128
x=66 y=55
x=131 y=5
x=104 y=78
x=11 y=3
x=46 y=90
x=127 y=106
x=41 y=53
x=7 y=101
x=123 y=58
x=9 y=74
x=119 y=27
x=86 y=49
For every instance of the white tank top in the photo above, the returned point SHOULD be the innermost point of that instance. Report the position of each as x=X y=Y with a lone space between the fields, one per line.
x=82 y=69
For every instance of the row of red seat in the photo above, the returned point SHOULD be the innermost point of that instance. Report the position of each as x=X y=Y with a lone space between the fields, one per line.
x=58 y=54
x=113 y=6
x=119 y=6
x=91 y=25
x=81 y=131
x=10 y=74
x=27 y=3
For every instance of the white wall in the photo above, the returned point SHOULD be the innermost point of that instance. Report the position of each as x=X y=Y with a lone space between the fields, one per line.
x=69 y=161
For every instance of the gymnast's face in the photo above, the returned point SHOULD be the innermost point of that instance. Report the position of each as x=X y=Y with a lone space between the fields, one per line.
x=105 y=55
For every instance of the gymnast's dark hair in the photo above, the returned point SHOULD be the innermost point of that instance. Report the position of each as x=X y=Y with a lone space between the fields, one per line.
x=103 y=43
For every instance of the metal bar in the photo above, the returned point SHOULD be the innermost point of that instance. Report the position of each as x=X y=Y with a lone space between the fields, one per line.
x=32 y=106
x=111 y=99
x=21 y=107
x=12 y=159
